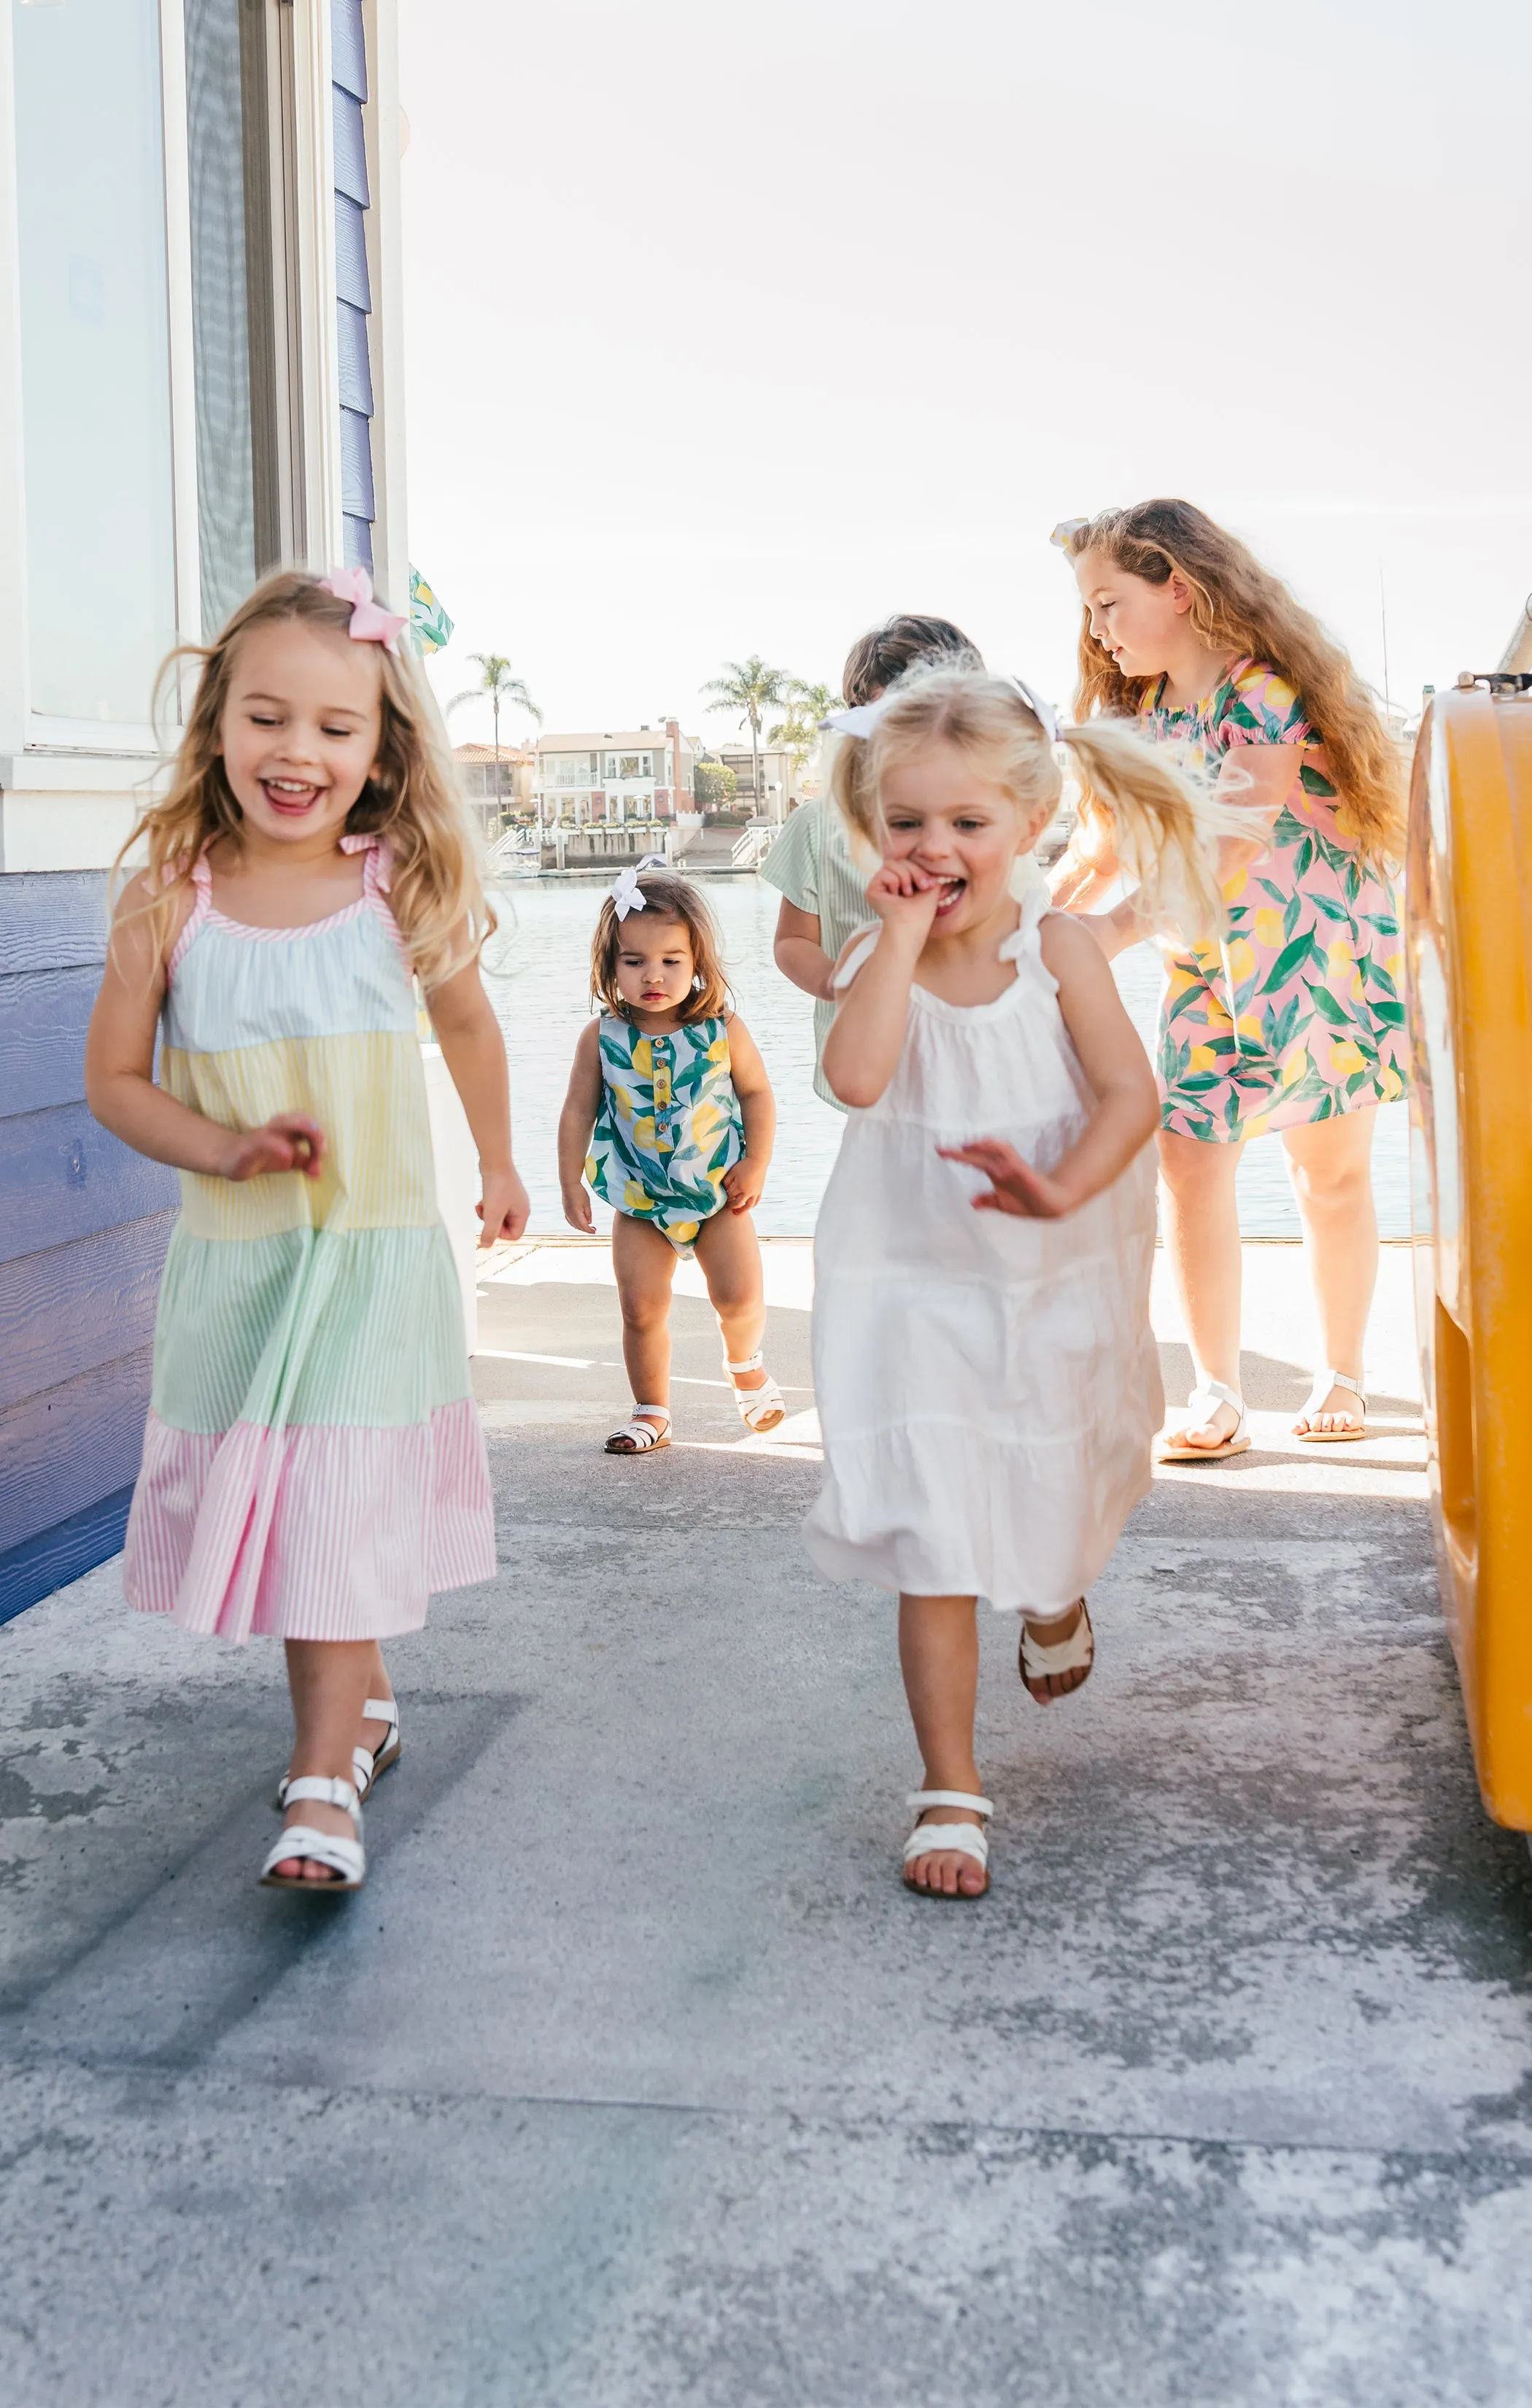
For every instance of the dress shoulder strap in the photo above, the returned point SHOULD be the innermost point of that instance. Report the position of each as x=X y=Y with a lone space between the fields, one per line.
x=202 y=884
x=376 y=879
x=1024 y=946
x=858 y=954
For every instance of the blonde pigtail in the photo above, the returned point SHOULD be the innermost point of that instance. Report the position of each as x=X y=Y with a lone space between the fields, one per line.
x=1163 y=825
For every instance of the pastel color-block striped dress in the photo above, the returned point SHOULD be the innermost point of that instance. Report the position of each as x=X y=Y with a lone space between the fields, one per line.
x=313 y=1465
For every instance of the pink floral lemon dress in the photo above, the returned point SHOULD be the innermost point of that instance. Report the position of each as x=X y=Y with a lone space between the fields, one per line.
x=1297 y=1014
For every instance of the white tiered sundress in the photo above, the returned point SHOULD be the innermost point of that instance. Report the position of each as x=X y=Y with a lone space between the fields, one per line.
x=988 y=1386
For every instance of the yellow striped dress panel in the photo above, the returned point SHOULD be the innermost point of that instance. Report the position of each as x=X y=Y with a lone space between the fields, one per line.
x=366 y=1093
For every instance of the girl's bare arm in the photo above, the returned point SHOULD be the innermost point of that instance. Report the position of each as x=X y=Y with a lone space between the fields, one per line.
x=863 y=1048
x=799 y=951
x=1077 y=884
x=119 y=1086
x=743 y=1182
x=575 y=1122
x=474 y=1051
x=1112 y=1057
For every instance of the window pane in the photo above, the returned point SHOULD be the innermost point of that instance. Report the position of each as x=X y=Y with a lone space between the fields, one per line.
x=220 y=311
x=96 y=363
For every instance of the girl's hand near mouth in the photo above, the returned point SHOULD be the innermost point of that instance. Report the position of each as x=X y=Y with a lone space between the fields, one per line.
x=905 y=899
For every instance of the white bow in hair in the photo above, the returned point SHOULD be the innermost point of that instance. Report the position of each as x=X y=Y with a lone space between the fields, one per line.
x=860 y=721
x=626 y=893
x=1042 y=711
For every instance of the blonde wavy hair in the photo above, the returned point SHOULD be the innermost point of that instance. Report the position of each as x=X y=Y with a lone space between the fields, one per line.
x=414 y=799
x=1241 y=608
x=1163 y=826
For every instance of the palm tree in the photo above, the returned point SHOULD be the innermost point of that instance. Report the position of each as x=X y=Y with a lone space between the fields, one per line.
x=798 y=733
x=750 y=688
x=504 y=693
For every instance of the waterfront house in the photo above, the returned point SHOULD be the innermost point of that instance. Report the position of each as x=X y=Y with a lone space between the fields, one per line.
x=517 y=774
x=622 y=777
x=781 y=781
x=199 y=343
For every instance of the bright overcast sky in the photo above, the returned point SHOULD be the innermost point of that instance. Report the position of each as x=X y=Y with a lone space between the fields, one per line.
x=732 y=330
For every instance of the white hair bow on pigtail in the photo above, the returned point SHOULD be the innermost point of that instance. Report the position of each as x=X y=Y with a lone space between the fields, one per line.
x=1043 y=712
x=860 y=720
x=626 y=893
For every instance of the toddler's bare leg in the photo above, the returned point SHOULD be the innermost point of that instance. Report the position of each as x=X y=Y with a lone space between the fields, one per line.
x=939 y=1655
x=729 y=1252
x=644 y=1263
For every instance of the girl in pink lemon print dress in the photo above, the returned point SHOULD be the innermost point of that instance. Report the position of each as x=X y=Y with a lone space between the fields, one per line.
x=313 y=1465
x=1294 y=1023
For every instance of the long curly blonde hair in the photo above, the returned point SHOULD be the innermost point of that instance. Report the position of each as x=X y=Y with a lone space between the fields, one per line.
x=1162 y=825
x=414 y=799
x=1241 y=608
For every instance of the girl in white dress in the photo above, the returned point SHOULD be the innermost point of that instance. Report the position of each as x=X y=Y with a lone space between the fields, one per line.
x=987 y=1381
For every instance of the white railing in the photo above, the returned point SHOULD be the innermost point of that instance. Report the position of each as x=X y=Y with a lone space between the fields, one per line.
x=519 y=848
x=753 y=845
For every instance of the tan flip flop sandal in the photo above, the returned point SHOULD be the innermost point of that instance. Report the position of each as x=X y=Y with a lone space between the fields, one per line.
x=1201 y=1405
x=1324 y=1383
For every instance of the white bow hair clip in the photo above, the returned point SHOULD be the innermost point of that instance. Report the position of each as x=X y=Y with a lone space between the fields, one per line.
x=860 y=721
x=626 y=893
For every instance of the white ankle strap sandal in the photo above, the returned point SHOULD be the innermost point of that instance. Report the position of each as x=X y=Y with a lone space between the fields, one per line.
x=1323 y=1382
x=368 y=1765
x=1201 y=1406
x=946 y=1839
x=760 y=1409
x=1035 y=1662
x=346 y=1859
x=642 y=1437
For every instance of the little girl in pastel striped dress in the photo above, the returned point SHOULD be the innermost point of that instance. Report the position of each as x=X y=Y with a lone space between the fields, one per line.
x=313 y=1467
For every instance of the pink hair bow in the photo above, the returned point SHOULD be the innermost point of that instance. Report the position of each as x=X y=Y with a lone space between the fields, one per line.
x=370 y=623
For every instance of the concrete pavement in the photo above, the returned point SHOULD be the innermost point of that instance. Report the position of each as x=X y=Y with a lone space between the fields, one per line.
x=636 y=2078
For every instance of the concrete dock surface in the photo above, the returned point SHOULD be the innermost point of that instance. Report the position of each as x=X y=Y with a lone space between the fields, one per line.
x=635 y=2077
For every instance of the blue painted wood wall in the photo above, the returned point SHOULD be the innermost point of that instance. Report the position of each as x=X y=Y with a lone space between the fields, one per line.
x=83 y=1228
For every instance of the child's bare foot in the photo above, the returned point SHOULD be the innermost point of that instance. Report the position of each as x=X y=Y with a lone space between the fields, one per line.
x=1057 y=1655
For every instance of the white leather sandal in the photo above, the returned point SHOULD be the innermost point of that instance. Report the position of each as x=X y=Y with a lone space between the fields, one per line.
x=641 y=1437
x=368 y=1764
x=760 y=1409
x=346 y=1859
x=1324 y=1383
x=1035 y=1662
x=1201 y=1405
x=948 y=1838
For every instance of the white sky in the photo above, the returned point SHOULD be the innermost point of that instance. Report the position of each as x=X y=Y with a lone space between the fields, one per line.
x=733 y=329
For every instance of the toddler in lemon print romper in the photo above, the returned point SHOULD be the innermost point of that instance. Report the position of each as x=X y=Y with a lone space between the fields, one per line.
x=669 y=1118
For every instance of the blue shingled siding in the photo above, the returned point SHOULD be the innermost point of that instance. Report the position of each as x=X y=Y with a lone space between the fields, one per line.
x=349 y=93
x=84 y=1224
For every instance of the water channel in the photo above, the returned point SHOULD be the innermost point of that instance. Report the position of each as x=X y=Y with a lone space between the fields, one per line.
x=538 y=969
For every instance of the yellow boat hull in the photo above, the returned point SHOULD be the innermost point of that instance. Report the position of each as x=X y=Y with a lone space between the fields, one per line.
x=1468 y=922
